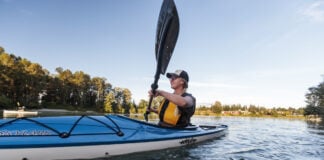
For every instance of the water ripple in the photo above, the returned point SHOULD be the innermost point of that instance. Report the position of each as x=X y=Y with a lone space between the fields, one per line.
x=250 y=139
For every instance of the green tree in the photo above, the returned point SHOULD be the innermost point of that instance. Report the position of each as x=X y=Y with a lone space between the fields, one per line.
x=82 y=83
x=35 y=81
x=2 y=50
x=4 y=101
x=110 y=103
x=65 y=90
x=253 y=109
x=29 y=84
x=126 y=100
x=315 y=101
x=9 y=77
x=120 y=100
x=21 y=80
x=226 y=108
x=142 y=105
x=217 y=107
x=98 y=85
x=134 y=107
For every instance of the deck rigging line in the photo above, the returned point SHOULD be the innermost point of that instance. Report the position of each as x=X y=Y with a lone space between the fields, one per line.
x=116 y=130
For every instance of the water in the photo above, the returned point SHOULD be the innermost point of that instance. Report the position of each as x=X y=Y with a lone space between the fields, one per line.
x=249 y=139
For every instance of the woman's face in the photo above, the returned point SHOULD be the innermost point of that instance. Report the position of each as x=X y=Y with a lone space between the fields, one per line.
x=175 y=82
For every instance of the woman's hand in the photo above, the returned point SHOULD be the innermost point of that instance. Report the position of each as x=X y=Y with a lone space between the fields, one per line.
x=157 y=93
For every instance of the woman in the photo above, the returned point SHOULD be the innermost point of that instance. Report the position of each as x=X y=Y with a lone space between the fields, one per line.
x=177 y=108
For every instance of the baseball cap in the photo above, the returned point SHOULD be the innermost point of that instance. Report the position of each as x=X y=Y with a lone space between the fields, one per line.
x=179 y=73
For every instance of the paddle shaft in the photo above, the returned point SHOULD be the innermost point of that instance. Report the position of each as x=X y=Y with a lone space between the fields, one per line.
x=154 y=86
x=167 y=34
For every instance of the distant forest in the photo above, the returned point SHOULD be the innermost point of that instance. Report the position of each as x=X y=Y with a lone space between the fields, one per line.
x=24 y=83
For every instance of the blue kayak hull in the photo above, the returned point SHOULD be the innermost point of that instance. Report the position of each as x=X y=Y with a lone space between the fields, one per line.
x=72 y=137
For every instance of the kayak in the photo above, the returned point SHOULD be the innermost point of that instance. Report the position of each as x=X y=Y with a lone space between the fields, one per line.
x=87 y=137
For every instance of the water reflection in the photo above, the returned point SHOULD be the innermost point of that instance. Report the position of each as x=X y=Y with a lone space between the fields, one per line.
x=316 y=127
x=173 y=153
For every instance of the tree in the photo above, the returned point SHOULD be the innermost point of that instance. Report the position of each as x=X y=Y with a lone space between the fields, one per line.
x=21 y=80
x=110 y=103
x=98 y=85
x=253 y=109
x=226 y=108
x=35 y=81
x=142 y=105
x=82 y=83
x=2 y=50
x=65 y=90
x=217 y=107
x=4 y=101
x=315 y=101
x=126 y=100
x=9 y=77
x=135 y=108
x=30 y=84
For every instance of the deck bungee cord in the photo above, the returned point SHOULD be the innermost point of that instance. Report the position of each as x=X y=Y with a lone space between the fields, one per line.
x=89 y=137
x=63 y=134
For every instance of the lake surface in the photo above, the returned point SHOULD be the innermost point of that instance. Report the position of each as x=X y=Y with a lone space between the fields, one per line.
x=249 y=139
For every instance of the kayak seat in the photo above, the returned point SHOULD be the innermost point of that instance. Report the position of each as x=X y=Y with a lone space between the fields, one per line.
x=190 y=127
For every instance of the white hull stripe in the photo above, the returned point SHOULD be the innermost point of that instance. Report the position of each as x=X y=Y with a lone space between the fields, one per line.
x=97 y=151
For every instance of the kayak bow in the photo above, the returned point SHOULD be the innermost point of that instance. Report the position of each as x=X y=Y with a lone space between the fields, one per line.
x=73 y=137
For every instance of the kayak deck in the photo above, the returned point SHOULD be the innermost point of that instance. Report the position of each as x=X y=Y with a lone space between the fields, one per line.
x=113 y=134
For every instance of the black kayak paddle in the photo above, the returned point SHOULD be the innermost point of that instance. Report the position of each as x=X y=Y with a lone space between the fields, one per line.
x=166 y=39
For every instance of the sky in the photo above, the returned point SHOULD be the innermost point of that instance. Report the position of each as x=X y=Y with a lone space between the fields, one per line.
x=259 y=52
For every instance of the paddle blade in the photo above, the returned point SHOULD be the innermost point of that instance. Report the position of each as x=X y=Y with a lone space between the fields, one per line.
x=166 y=39
x=166 y=34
